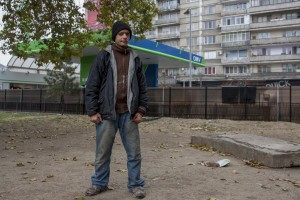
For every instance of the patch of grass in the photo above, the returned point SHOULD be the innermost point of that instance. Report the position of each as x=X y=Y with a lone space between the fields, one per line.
x=12 y=116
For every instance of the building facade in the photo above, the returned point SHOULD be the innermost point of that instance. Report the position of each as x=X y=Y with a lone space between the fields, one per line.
x=244 y=42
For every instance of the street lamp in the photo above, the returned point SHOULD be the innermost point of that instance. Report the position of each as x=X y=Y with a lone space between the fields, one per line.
x=188 y=12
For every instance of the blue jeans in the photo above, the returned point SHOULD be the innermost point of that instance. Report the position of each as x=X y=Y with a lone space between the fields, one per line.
x=105 y=136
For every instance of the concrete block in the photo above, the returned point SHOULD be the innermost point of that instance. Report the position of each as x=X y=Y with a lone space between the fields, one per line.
x=271 y=152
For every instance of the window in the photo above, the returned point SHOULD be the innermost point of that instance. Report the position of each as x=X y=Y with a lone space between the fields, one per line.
x=290 y=67
x=195 y=12
x=290 y=16
x=291 y=33
x=172 y=43
x=210 y=39
x=268 y=2
x=266 y=18
x=287 y=50
x=236 y=69
x=234 y=20
x=233 y=37
x=194 y=41
x=209 y=10
x=240 y=20
x=263 y=52
x=263 y=69
x=209 y=70
x=242 y=53
x=210 y=24
x=263 y=35
x=190 y=1
x=210 y=55
x=296 y=50
x=234 y=7
x=170 y=30
x=195 y=26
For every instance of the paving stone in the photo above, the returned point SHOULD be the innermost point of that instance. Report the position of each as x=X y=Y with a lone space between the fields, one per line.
x=271 y=152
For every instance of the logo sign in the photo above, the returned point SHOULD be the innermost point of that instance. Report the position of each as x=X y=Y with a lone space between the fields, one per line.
x=196 y=58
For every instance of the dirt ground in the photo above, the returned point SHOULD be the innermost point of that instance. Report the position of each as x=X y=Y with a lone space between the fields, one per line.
x=51 y=157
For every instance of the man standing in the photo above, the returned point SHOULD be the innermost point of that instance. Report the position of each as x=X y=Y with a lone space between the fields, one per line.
x=116 y=100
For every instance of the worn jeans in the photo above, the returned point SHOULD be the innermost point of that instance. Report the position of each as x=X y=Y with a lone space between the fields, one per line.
x=105 y=136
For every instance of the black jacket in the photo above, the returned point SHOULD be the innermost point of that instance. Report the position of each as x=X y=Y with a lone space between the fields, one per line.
x=101 y=86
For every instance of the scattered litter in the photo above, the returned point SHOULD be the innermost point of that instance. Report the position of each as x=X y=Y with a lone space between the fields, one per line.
x=220 y=163
x=223 y=162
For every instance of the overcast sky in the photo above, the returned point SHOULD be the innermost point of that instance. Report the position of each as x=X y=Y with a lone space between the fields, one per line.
x=4 y=58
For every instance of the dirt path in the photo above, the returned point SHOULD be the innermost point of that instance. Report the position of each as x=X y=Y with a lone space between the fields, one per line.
x=50 y=157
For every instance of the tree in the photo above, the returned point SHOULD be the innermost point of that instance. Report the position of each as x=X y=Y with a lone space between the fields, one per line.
x=55 y=31
x=61 y=82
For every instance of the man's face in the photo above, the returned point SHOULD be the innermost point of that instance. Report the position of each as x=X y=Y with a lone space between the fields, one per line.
x=122 y=38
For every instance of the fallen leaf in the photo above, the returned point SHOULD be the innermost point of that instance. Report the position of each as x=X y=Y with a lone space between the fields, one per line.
x=121 y=170
x=79 y=198
x=254 y=163
x=20 y=165
x=90 y=164
x=190 y=163
x=33 y=179
x=212 y=198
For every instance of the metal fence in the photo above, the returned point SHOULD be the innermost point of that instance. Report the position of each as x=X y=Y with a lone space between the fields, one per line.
x=237 y=103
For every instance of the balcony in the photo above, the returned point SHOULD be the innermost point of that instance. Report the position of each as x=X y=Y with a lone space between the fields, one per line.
x=151 y=36
x=172 y=6
x=274 y=7
x=167 y=35
x=235 y=44
x=234 y=28
x=283 y=58
x=230 y=1
x=280 y=40
x=160 y=22
x=233 y=12
x=276 y=23
x=242 y=60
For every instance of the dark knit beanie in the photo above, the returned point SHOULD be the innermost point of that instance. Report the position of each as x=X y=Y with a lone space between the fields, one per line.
x=117 y=27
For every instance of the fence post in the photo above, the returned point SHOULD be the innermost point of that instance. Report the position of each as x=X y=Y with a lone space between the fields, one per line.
x=277 y=102
x=21 y=100
x=246 y=102
x=5 y=99
x=170 y=101
x=40 y=99
x=290 y=103
x=83 y=101
x=205 y=112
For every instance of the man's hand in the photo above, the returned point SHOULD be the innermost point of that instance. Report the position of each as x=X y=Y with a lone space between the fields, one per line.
x=137 y=118
x=96 y=118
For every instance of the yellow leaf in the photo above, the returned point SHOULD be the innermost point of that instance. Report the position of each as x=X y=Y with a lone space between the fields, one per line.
x=122 y=170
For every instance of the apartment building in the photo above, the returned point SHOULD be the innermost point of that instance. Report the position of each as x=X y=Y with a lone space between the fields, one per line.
x=244 y=42
x=172 y=27
x=275 y=40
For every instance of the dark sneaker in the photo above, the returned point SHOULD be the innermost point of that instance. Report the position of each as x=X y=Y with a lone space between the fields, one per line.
x=138 y=192
x=94 y=190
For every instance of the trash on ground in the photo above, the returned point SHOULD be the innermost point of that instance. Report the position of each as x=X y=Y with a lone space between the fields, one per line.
x=220 y=163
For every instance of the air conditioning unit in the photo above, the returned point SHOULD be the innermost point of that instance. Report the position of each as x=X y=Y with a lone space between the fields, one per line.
x=220 y=52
